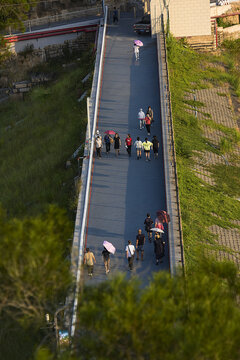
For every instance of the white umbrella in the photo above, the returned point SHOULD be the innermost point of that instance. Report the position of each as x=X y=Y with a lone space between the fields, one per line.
x=109 y=247
x=157 y=230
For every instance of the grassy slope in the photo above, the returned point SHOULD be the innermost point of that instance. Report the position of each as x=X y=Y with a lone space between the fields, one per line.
x=199 y=201
x=38 y=136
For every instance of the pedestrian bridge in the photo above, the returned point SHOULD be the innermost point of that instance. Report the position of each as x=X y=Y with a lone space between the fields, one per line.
x=124 y=189
x=118 y=192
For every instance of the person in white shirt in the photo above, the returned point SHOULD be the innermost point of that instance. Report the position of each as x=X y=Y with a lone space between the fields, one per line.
x=98 y=134
x=138 y=145
x=136 y=51
x=130 y=251
x=141 y=118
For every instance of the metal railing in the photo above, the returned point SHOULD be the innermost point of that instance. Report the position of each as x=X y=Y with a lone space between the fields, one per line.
x=80 y=231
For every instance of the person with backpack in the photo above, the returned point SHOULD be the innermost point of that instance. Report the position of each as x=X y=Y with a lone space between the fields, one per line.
x=130 y=252
x=155 y=146
x=148 y=222
x=138 y=145
x=128 y=144
x=106 y=260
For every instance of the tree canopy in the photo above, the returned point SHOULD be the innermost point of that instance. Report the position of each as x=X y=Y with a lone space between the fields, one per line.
x=34 y=276
x=173 y=318
x=13 y=12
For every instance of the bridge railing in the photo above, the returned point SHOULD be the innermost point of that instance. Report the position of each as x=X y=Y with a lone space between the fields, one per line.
x=84 y=196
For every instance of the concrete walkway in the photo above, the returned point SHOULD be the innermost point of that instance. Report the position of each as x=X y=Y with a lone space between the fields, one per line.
x=124 y=189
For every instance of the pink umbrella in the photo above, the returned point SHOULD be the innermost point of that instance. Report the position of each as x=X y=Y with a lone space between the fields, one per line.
x=109 y=247
x=138 y=43
x=110 y=132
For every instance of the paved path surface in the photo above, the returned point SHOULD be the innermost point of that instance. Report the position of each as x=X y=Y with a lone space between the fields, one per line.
x=124 y=189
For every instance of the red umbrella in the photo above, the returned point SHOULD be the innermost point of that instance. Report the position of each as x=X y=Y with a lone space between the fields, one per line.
x=110 y=132
x=163 y=216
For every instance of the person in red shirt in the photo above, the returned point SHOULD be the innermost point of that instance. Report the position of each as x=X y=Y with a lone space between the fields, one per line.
x=128 y=144
x=148 y=123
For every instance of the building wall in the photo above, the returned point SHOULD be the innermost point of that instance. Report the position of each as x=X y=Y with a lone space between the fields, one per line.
x=189 y=17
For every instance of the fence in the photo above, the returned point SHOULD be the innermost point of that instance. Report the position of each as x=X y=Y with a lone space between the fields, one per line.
x=83 y=201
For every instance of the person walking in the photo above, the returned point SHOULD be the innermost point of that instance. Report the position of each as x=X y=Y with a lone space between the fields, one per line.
x=147 y=145
x=140 y=241
x=107 y=143
x=136 y=51
x=138 y=145
x=98 y=143
x=117 y=144
x=150 y=113
x=155 y=146
x=148 y=222
x=158 y=248
x=98 y=134
x=106 y=260
x=148 y=123
x=141 y=118
x=115 y=15
x=128 y=144
x=130 y=251
x=89 y=260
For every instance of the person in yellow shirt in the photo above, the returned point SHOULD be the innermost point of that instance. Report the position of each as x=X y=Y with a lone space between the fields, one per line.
x=147 y=145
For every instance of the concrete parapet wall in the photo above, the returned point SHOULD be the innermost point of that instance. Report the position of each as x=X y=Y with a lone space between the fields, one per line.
x=175 y=240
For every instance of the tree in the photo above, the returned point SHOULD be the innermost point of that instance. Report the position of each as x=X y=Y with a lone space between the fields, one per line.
x=176 y=318
x=34 y=271
x=14 y=12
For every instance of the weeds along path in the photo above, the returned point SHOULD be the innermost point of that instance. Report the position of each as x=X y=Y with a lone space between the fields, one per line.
x=39 y=135
x=208 y=155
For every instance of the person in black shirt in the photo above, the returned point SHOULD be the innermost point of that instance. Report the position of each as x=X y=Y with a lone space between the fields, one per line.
x=155 y=146
x=106 y=260
x=140 y=241
x=148 y=225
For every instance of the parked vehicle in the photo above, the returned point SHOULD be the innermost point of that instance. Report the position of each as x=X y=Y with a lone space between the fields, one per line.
x=143 y=26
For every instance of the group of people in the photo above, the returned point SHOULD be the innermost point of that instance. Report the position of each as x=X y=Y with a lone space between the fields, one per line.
x=146 y=120
x=146 y=145
x=159 y=243
x=159 y=246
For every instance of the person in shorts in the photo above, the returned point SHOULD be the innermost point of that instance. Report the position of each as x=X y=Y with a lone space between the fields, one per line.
x=89 y=260
x=138 y=145
x=155 y=143
x=148 y=225
x=141 y=119
x=147 y=145
x=106 y=260
x=140 y=241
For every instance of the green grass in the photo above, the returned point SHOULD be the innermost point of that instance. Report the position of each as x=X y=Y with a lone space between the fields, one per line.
x=38 y=136
x=202 y=205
